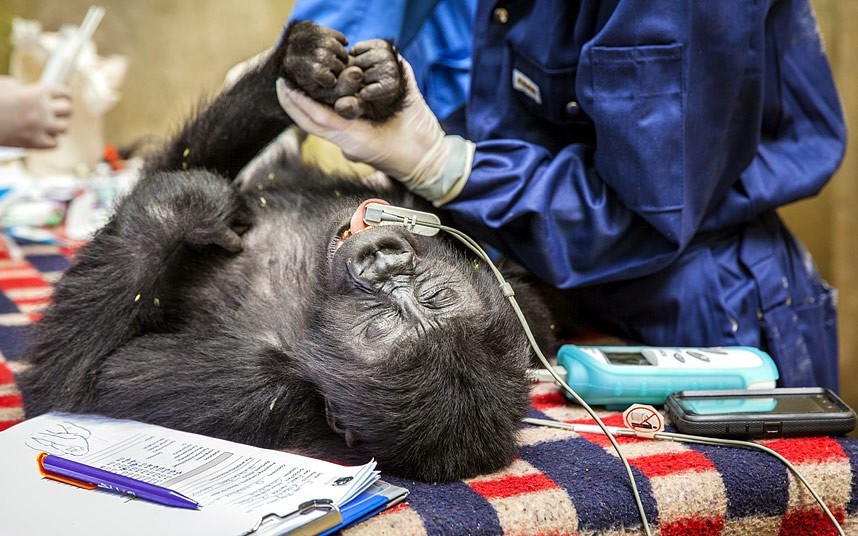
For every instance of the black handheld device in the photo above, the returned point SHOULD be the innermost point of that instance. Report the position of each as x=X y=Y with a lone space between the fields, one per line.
x=759 y=413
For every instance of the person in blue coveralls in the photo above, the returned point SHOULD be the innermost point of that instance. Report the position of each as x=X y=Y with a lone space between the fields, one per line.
x=632 y=153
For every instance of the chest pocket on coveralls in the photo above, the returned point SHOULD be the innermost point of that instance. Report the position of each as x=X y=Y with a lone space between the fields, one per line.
x=638 y=101
x=546 y=92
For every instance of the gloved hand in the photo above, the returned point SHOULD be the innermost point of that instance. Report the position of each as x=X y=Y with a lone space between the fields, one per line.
x=32 y=115
x=410 y=147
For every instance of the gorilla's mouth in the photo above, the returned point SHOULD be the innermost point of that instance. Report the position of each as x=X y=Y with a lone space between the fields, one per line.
x=355 y=224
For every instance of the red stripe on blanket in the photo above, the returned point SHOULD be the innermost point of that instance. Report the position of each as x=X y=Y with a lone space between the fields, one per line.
x=22 y=282
x=40 y=300
x=808 y=449
x=671 y=463
x=810 y=522
x=615 y=419
x=692 y=525
x=549 y=400
x=396 y=508
x=71 y=249
x=6 y=375
x=8 y=424
x=11 y=401
x=511 y=486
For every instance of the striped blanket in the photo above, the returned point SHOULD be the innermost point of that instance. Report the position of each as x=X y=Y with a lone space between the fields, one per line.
x=562 y=482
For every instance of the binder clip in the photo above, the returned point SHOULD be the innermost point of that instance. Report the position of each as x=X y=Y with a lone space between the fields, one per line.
x=303 y=509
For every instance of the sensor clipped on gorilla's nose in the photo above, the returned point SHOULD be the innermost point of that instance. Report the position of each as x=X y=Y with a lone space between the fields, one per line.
x=421 y=223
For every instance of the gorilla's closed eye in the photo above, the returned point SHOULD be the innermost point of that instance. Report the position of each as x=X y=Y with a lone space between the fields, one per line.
x=374 y=331
x=439 y=297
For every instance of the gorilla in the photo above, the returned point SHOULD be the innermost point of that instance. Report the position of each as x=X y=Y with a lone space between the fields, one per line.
x=264 y=310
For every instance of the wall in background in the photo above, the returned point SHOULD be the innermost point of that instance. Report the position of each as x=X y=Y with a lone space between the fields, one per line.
x=177 y=50
x=828 y=224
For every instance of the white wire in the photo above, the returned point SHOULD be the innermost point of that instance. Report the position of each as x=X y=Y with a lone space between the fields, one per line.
x=510 y=295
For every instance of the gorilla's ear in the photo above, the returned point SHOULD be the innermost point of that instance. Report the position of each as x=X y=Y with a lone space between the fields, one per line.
x=335 y=425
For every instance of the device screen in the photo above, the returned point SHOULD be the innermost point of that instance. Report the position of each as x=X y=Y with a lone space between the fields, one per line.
x=780 y=404
x=626 y=358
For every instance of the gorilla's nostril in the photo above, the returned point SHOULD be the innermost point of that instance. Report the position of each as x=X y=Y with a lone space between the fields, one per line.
x=382 y=258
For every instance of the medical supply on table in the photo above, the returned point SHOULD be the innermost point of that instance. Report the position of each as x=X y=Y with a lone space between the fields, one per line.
x=63 y=61
x=617 y=376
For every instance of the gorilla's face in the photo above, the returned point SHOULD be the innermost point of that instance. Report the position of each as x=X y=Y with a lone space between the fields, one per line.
x=403 y=285
x=425 y=350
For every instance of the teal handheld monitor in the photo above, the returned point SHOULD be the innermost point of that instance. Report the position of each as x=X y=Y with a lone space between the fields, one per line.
x=622 y=375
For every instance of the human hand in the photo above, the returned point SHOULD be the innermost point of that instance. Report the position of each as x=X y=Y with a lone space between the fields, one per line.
x=33 y=115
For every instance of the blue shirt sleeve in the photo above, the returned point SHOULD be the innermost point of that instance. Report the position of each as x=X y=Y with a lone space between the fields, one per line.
x=704 y=116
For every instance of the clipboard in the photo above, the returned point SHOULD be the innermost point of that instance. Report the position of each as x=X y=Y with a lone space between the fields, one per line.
x=281 y=524
x=236 y=485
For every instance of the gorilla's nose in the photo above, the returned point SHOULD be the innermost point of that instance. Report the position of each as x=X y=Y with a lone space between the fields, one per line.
x=381 y=258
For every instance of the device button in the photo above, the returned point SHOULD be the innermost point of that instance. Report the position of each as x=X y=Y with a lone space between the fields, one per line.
x=772 y=428
x=679 y=357
x=737 y=428
x=698 y=355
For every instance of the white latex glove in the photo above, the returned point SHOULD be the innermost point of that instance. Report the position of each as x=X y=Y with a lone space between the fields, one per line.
x=33 y=115
x=411 y=147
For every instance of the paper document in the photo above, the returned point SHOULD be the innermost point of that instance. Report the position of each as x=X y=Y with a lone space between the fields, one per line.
x=236 y=485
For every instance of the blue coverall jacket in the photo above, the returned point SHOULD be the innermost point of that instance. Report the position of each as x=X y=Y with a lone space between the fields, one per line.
x=636 y=152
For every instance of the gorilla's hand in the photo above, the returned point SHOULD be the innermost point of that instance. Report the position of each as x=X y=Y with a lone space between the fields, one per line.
x=366 y=82
x=220 y=219
x=383 y=91
x=195 y=208
x=317 y=62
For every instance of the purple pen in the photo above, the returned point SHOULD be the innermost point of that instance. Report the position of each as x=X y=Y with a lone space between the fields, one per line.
x=81 y=475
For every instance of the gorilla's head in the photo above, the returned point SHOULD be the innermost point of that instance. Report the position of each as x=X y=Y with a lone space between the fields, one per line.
x=428 y=362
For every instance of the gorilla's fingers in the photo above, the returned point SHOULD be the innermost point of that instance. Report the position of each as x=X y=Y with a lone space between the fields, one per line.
x=348 y=82
x=324 y=66
x=379 y=91
x=372 y=57
x=321 y=75
x=224 y=237
x=336 y=46
x=369 y=44
x=349 y=107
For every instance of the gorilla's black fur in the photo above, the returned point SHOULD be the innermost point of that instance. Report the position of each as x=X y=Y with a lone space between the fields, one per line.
x=230 y=311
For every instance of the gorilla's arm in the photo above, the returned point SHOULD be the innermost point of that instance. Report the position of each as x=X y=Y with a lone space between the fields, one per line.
x=225 y=135
x=171 y=230
x=242 y=120
x=227 y=385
